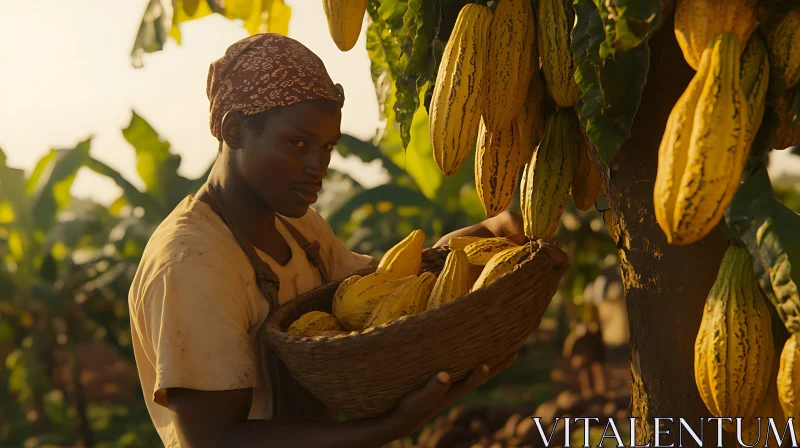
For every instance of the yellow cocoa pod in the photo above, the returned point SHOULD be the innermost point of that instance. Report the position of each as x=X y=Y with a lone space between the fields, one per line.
x=480 y=252
x=344 y=20
x=459 y=92
x=788 y=381
x=510 y=63
x=733 y=354
x=784 y=47
x=531 y=116
x=407 y=300
x=461 y=242
x=363 y=296
x=697 y=178
x=768 y=407
x=313 y=323
x=500 y=264
x=555 y=19
x=336 y=303
x=754 y=81
x=497 y=163
x=547 y=177
x=697 y=22
x=452 y=281
x=405 y=257
x=586 y=183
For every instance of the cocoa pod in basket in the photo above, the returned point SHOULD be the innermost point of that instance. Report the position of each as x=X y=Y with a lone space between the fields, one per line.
x=483 y=442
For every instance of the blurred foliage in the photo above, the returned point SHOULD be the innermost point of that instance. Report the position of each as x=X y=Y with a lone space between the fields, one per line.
x=162 y=19
x=66 y=268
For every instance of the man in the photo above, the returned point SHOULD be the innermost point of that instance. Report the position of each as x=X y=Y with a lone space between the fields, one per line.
x=247 y=242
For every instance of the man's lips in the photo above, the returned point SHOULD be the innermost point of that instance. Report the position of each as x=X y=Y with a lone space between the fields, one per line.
x=307 y=191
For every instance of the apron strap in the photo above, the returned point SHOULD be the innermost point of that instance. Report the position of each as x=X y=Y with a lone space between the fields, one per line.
x=291 y=402
x=268 y=281
x=311 y=249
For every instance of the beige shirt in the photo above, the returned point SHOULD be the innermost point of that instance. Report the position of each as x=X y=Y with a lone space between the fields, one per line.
x=196 y=309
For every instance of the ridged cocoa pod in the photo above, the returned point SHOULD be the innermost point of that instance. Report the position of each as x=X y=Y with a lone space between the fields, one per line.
x=586 y=183
x=704 y=148
x=733 y=355
x=555 y=19
x=697 y=22
x=345 y=18
x=510 y=63
x=407 y=300
x=459 y=93
x=405 y=257
x=452 y=281
x=497 y=163
x=502 y=263
x=547 y=177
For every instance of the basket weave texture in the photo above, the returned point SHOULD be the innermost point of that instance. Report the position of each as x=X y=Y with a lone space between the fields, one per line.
x=365 y=374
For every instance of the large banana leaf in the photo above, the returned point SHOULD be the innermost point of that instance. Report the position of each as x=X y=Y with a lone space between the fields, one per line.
x=50 y=182
x=153 y=210
x=156 y=164
x=162 y=19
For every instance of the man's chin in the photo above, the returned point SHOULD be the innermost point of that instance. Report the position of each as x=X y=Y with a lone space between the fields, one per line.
x=295 y=212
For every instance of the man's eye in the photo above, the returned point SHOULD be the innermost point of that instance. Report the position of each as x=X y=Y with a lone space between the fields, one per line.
x=298 y=143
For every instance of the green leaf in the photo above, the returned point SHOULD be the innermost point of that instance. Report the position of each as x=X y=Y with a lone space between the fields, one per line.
x=611 y=88
x=399 y=41
x=156 y=164
x=184 y=13
x=51 y=181
x=417 y=160
x=395 y=194
x=771 y=233
x=152 y=208
x=367 y=152
x=13 y=193
x=628 y=23
x=153 y=31
x=279 y=16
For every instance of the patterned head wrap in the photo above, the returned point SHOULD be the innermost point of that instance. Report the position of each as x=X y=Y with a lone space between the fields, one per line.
x=265 y=71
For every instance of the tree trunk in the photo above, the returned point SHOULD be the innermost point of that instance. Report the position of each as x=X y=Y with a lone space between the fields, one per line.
x=665 y=286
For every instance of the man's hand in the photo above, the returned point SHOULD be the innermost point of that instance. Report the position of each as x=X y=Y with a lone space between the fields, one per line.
x=507 y=224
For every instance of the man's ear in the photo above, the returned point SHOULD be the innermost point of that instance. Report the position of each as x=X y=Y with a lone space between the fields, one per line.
x=232 y=124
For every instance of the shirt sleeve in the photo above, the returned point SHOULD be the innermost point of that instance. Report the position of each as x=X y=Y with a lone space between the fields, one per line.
x=341 y=260
x=198 y=320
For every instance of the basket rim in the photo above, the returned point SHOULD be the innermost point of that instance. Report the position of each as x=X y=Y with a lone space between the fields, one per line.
x=275 y=333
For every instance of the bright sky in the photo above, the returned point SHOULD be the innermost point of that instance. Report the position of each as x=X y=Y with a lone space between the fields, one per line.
x=67 y=75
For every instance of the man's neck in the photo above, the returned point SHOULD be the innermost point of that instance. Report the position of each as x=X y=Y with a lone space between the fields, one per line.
x=244 y=210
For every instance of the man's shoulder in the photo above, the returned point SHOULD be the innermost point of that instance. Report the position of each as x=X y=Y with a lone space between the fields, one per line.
x=191 y=234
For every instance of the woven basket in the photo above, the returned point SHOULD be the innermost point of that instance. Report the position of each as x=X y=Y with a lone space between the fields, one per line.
x=365 y=374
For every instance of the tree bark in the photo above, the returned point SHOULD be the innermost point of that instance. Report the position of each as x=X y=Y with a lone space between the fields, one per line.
x=665 y=286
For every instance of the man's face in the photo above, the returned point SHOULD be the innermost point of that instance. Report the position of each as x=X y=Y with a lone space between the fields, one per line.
x=285 y=163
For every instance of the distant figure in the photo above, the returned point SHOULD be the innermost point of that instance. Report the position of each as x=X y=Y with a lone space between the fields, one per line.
x=586 y=352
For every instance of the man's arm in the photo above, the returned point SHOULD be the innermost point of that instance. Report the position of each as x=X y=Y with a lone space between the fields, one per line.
x=214 y=419
x=507 y=224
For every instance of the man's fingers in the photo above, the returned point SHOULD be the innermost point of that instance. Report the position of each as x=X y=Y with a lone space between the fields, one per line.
x=518 y=238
